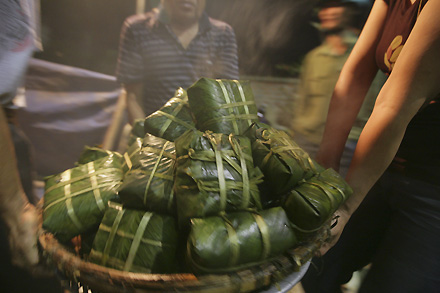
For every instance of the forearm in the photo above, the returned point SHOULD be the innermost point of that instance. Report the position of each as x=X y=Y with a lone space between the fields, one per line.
x=413 y=82
x=376 y=148
x=344 y=107
x=350 y=90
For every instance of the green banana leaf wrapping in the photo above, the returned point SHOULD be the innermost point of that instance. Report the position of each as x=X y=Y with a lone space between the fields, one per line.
x=238 y=240
x=214 y=173
x=90 y=154
x=133 y=149
x=138 y=130
x=283 y=163
x=76 y=199
x=149 y=183
x=135 y=241
x=313 y=202
x=222 y=106
x=173 y=119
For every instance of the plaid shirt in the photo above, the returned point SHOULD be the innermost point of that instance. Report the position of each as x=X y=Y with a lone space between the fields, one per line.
x=155 y=57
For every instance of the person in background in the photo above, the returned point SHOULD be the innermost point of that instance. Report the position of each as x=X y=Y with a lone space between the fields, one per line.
x=396 y=226
x=170 y=47
x=19 y=39
x=320 y=71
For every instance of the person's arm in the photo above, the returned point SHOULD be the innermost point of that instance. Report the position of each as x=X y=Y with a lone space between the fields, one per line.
x=16 y=212
x=413 y=82
x=350 y=90
x=134 y=96
x=130 y=68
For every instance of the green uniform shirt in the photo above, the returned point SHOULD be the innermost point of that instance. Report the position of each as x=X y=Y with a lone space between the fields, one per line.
x=320 y=72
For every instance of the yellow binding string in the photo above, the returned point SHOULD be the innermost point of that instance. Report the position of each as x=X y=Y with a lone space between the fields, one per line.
x=137 y=240
x=243 y=98
x=111 y=237
x=72 y=195
x=215 y=142
x=228 y=100
x=95 y=187
x=244 y=171
x=233 y=242
x=159 y=158
x=265 y=236
x=69 y=206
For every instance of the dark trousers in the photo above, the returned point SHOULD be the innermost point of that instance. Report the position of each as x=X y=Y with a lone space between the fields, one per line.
x=397 y=230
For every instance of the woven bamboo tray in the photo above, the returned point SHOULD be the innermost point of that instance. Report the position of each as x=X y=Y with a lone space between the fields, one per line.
x=102 y=279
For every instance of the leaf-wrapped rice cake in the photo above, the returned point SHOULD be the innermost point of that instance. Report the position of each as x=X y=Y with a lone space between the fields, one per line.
x=90 y=154
x=222 y=106
x=149 y=183
x=214 y=173
x=76 y=199
x=314 y=201
x=173 y=119
x=133 y=149
x=135 y=241
x=238 y=240
x=283 y=163
x=138 y=130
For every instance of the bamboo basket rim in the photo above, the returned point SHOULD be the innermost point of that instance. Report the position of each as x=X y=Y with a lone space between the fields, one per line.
x=105 y=279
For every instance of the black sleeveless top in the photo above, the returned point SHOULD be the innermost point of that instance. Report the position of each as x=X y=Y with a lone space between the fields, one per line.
x=421 y=143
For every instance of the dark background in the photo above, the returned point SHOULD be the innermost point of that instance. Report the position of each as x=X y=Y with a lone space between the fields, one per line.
x=272 y=35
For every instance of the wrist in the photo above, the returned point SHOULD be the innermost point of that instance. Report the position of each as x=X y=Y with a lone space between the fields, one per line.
x=327 y=161
x=345 y=210
x=350 y=205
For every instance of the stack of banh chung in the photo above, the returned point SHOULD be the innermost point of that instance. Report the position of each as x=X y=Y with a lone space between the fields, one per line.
x=200 y=178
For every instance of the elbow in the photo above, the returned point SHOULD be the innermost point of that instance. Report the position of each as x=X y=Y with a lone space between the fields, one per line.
x=396 y=104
